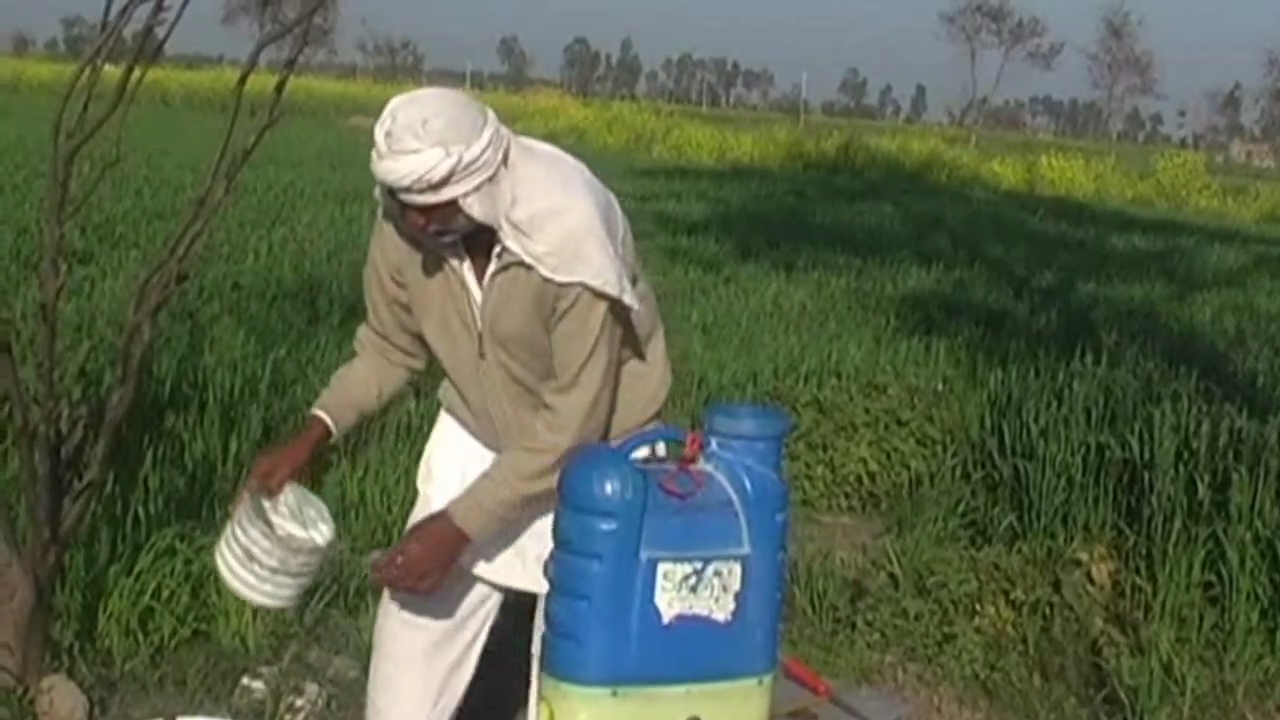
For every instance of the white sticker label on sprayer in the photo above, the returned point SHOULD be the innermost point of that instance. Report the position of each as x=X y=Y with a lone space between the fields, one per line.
x=697 y=588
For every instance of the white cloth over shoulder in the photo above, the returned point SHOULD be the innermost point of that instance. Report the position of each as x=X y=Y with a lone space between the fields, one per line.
x=435 y=145
x=451 y=461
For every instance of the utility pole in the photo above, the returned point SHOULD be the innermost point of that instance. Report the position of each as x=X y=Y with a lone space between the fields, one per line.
x=804 y=94
x=468 y=74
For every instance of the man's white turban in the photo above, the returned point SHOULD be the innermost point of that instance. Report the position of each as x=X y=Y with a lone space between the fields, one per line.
x=436 y=144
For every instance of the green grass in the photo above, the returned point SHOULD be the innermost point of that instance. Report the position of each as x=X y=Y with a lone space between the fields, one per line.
x=1062 y=414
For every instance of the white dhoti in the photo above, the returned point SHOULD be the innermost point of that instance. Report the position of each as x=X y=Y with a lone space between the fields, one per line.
x=426 y=649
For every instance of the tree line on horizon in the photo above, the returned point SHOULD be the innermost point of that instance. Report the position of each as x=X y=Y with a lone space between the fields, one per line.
x=994 y=37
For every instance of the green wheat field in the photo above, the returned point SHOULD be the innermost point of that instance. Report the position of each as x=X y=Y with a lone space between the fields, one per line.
x=1061 y=414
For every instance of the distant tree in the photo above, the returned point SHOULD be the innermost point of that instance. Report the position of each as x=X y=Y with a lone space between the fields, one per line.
x=1089 y=120
x=853 y=87
x=767 y=85
x=1133 y=127
x=1066 y=117
x=76 y=34
x=1061 y=115
x=1269 y=110
x=146 y=40
x=748 y=86
x=734 y=83
x=389 y=58
x=758 y=86
x=693 y=75
x=726 y=75
x=579 y=65
x=918 y=107
x=690 y=79
x=515 y=61
x=51 y=46
x=624 y=81
x=1155 y=128
x=1227 y=120
x=997 y=27
x=604 y=75
x=670 y=88
x=260 y=17
x=1122 y=70
x=1180 y=119
x=791 y=102
x=887 y=106
x=1012 y=115
x=653 y=84
x=718 y=81
x=21 y=43
x=703 y=82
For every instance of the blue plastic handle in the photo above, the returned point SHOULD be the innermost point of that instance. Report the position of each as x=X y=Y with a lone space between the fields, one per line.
x=646 y=438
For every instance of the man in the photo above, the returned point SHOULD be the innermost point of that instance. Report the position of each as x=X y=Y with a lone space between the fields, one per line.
x=510 y=263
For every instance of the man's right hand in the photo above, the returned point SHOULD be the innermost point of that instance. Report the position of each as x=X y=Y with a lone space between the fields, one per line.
x=276 y=467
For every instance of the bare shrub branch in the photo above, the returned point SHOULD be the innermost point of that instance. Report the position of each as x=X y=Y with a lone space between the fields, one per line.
x=264 y=16
x=66 y=437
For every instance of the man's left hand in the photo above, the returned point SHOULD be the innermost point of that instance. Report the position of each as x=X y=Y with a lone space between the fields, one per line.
x=423 y=558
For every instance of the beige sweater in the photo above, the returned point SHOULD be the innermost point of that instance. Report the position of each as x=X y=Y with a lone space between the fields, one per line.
x=546 y=368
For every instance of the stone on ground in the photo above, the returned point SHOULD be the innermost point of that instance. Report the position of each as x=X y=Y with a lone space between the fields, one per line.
x=57 y=697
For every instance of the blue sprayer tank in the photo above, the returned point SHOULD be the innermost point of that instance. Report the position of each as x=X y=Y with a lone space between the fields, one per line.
x=667 y=576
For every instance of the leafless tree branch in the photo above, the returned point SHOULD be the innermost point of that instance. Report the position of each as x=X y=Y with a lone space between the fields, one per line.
x=166 y=275
x=11 y=390
x=66 y=445
x=264 y=16
x=143 y=58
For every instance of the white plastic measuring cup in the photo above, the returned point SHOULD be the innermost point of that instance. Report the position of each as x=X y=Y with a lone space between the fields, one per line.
x=272 y=548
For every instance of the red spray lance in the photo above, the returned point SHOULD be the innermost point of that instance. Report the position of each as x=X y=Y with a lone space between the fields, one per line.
x=807 y=678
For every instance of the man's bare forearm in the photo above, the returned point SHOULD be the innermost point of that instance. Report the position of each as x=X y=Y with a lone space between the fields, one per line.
x=317 y=432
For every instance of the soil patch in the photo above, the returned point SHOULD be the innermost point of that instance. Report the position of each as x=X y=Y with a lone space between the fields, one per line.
x=926 y=698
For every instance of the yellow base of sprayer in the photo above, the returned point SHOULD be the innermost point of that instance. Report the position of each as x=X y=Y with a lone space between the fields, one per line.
x=735 y=700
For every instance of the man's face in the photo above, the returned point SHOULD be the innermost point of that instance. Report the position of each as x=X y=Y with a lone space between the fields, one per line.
x=429 y=219
x=436 y=225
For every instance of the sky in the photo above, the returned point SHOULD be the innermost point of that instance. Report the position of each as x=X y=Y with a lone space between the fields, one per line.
x=1199 y=44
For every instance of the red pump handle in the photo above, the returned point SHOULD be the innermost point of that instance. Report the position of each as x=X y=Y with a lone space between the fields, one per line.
x=670 y=482
x=806 y=677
